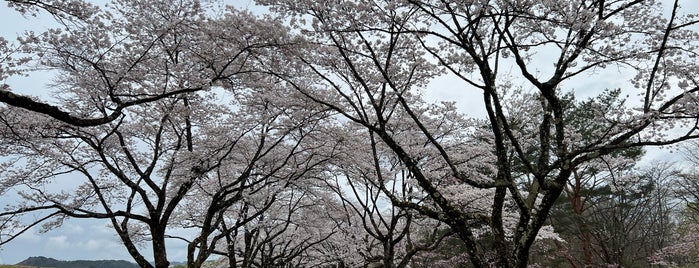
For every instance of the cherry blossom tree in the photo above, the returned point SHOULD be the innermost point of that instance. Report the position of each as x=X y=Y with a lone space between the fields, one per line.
x=389 y=235
x=270 y=213
x=140 y=172
x=288 y=234
x=368 y=61
x=156 y=106
x=114 y=49
x=64 y=11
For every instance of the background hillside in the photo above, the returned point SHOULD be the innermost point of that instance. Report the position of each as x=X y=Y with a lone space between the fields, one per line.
x=50 y=262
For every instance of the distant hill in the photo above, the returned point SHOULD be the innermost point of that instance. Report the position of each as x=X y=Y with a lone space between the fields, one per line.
x=49 y=262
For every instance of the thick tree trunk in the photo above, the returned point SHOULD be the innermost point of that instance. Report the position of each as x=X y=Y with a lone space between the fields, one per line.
x=388 y=252
x=159 y=250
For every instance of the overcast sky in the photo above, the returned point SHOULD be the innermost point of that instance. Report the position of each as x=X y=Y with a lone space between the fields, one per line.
x=77 y=239
x=93 y=240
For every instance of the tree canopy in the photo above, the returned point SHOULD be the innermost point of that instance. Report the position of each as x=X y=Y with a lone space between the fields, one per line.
x=301 y=137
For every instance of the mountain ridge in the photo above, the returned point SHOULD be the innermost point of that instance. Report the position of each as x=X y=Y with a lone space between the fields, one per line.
x=51 y=262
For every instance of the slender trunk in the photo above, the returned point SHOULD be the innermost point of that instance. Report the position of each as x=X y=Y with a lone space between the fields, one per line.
x=231 y=256
x=248 y=255
x=585 y=237
x=572 y=261
x=578 y=209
